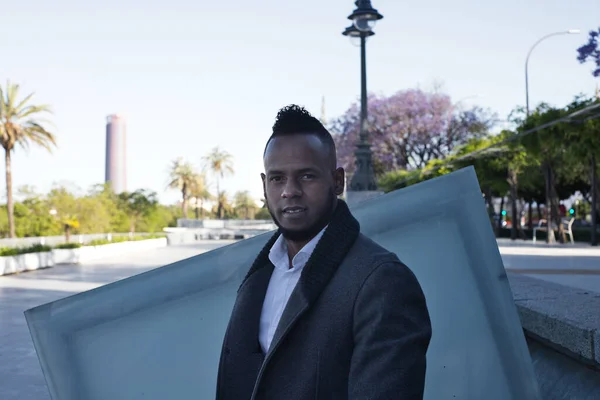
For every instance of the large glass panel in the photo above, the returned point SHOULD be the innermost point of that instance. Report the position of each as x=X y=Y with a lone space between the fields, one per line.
x=158 y=335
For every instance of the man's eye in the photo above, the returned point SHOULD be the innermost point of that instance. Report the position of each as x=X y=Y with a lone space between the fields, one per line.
x=275 y=179
x=308 y=176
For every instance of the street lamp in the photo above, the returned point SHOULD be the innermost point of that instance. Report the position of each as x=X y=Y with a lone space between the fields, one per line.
x=550 y=236
x=363 y=20
x=569 y=32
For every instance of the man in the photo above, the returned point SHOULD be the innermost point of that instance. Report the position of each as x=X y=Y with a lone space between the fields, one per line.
x=324 y=312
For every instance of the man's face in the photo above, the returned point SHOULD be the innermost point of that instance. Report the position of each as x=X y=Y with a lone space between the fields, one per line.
x=301 y=184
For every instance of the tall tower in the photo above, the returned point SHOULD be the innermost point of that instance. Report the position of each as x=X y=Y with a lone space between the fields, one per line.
x=323 y=118
x=116 y=172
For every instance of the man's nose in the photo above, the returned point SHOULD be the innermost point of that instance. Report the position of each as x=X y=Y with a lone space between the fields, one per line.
x=292 y=189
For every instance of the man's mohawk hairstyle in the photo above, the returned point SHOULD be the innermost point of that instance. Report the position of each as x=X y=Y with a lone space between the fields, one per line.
x=296 y=119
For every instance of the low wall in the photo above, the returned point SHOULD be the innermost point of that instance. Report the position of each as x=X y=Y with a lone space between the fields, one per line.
x=178 y=236
x=55 y=240
x=562 y=326
x=226 y=223
x=33 y=261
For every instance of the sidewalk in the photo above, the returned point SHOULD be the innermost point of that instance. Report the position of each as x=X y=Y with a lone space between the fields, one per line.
x=576 y=265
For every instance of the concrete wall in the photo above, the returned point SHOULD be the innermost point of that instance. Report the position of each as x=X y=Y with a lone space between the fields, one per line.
x=562 y=326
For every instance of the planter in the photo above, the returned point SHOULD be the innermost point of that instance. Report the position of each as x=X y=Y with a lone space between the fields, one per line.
x=8 y=265
x=67 y=256
x=33 y=261
x=25 y=262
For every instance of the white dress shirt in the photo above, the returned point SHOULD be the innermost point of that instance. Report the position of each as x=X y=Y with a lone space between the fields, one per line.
x=282 y=283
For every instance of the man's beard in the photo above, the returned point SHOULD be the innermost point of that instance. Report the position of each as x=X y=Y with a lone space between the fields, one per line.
x=314 y=229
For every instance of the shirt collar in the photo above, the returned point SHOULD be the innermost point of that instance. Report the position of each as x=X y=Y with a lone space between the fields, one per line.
x=278 y=254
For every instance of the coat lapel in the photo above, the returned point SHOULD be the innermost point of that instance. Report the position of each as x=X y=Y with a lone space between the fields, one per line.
x=248 y=309
x=331 y=250
x=242 y=356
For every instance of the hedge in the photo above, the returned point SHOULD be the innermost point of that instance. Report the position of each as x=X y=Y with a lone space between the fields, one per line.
x=36 y=248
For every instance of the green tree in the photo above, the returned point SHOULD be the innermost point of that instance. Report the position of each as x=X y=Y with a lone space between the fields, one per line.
x=513 y=157
x=583 y=138
x=138 y=204
x=244 y=204
x=19 y=124
x=108 y=216
x=182 y=177
x=200 y=193
x=69 y=223
x=33 y=217
x=491 y=172
x=263 y=213
x=532 y=190
x=544 y=145
x=220 y=163
x=224 y=209
x=163 y=216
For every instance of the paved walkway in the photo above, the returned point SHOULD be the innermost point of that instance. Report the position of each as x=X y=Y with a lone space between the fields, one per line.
x=21 y=377
x=576 y=265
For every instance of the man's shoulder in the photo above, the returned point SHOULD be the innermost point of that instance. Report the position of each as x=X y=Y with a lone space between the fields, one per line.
x=366 y=255
x=368 y=260
x=366 y=249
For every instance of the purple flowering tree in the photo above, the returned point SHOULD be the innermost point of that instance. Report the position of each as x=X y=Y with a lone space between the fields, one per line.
x=591 y=51
x=408 y=129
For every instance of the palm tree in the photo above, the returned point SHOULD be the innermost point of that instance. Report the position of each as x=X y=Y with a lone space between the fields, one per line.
x=220 y=163
x=199 y=191
x=19 y=125
x=224 y=208
x=243 y=201
x=181 y=177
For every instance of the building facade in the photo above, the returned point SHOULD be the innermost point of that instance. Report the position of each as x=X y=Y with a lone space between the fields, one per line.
x=116 y=156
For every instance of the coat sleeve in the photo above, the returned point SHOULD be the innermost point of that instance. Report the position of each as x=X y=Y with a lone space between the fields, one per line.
x=392 y=331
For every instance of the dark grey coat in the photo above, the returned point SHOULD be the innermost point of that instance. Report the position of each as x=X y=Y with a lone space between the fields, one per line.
x=356 y=327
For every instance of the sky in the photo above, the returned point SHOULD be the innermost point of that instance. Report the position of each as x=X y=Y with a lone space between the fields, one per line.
x=192 y=75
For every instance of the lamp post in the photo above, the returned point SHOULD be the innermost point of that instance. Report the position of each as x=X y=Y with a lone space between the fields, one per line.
x=550 y=236
x=569 y=32
x=363 y=20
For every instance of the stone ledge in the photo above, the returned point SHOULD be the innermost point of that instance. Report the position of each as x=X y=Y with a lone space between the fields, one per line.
x=565 y=318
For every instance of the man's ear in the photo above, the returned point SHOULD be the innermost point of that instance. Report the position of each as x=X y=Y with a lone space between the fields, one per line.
x=340 y=181
x=264 y=182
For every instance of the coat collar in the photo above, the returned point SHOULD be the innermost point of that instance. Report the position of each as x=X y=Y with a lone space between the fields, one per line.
x=329 y=253
x=337 y=239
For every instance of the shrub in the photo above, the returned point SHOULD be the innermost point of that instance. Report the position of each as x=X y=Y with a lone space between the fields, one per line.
x=120 y=239
x=68 y=246
x=15 y=251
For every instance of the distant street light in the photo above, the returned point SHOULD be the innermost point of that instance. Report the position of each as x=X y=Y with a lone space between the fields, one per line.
x=550 y=236
x=363 y=20
x=569 y=32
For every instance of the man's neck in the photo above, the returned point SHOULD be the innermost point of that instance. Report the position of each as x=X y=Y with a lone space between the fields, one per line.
x=294 y=247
